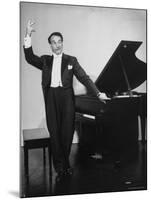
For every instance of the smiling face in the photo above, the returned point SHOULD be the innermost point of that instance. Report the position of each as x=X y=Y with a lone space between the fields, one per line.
x=56 y=44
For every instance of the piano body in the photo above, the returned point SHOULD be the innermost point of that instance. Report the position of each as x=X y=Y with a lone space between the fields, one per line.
x=115 y=124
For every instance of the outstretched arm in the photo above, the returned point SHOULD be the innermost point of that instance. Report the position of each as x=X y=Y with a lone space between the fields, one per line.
x=31 y=58
x=85 y=80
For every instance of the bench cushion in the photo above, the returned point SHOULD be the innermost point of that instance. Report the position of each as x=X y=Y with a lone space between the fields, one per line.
x=34 y=134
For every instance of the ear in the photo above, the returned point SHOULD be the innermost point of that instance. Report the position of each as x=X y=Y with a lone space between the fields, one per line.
x=50 y=46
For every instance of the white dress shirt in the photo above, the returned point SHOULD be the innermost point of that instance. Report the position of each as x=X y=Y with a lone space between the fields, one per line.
x=56 y=71
x=56 y=67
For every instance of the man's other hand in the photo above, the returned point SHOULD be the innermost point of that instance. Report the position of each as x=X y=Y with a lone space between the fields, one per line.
x=102 y=97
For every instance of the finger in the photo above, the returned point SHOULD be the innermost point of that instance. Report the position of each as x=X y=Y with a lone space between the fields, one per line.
x=29 y=22
x=103 y=101
x=32 y=23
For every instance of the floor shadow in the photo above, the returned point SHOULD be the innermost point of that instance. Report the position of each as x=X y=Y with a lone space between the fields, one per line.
x=14 y=193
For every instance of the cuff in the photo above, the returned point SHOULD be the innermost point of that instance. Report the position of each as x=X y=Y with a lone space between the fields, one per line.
x=27 y=41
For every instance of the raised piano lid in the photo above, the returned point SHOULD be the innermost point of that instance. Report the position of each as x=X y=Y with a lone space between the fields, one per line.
x=124 y=71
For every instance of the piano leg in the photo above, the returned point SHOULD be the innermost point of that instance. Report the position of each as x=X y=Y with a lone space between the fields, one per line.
x=119 y=135
x=143 y=116
x=88 y=135
x=143 y=128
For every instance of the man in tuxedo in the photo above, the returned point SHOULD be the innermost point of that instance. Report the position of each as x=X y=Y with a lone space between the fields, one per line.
x=57 y=77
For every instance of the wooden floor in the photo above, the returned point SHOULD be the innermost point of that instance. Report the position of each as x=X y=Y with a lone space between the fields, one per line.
x=90 y=175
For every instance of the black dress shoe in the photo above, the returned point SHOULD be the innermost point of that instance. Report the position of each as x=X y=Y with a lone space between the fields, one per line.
x=64 y=175
x=69 y=171
x=61 y=175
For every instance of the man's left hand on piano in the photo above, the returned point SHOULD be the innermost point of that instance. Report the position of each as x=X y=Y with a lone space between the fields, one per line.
x=102 y=97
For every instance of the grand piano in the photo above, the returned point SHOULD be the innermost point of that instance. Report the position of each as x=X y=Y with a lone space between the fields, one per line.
x=114 y=125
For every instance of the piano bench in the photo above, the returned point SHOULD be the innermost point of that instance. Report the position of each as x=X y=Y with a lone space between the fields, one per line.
x=32 y=139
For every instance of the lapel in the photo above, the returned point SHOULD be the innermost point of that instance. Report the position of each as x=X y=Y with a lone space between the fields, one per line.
x=48 y=69
x=63 y=63
x=49 y=62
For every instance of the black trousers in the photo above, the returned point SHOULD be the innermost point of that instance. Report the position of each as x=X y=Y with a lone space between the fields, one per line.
x=60 y=115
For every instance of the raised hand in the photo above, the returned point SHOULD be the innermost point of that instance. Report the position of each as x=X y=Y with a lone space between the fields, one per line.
x=29 y=28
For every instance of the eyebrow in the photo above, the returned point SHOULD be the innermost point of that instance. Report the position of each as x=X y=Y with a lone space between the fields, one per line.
x=57 y=40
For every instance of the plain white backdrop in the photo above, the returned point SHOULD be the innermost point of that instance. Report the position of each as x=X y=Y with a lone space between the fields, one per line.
x=9 y=100
x=90 y=33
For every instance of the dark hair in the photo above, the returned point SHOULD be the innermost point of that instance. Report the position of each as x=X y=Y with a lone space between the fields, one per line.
x=56 y=34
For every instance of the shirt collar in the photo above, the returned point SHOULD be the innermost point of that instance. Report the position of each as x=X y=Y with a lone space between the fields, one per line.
x=57 y=56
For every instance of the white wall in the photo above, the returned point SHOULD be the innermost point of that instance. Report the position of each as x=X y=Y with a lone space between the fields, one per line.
x=90 y=33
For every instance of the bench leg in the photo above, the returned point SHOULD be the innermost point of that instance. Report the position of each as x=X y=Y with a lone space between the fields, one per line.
x=49 y=157
x=44 y=157
x=26 y=167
